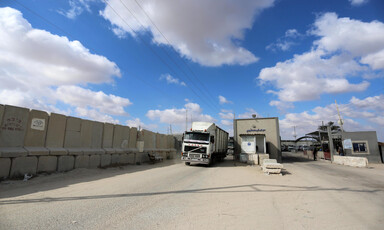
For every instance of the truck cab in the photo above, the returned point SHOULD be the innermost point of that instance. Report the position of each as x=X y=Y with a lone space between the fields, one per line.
x=197 y=147
x=204 y=143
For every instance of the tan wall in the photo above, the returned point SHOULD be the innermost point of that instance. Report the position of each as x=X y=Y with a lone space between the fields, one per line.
x=272 y=133
x=32 y=141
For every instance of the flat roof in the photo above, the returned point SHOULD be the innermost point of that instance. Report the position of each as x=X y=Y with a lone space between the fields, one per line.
x=257 y=118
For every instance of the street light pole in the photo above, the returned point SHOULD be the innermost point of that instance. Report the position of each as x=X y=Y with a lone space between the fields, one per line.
x=330 y=141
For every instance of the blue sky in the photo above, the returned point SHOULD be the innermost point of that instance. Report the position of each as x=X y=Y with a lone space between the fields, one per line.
x=149 y=63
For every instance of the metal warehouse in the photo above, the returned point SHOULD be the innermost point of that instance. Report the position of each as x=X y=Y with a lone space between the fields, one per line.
x=257 y=136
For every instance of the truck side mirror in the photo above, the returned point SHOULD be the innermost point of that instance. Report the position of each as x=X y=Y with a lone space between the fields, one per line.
x=212 y=139
x=182 y=137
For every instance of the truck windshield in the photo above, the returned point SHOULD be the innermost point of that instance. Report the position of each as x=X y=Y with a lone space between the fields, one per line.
x=197 y=136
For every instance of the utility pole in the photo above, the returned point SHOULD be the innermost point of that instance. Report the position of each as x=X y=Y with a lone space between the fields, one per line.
x=170 y=129
x=294 y=132
x=340 y=120
x=330 y=141
x=186 y=119
x=191 y=120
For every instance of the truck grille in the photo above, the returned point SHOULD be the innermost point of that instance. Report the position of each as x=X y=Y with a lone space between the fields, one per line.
x=191 y=155
x=195 y=150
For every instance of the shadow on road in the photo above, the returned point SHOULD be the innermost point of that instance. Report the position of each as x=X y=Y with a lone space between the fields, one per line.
x=251 y=188
x=45 y=182
x=289 y=158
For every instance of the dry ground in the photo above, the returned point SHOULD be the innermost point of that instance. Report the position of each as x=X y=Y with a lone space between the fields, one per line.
x=170 y=195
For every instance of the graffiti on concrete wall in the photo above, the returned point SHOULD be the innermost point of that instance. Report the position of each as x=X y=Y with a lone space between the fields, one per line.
x=13 y=124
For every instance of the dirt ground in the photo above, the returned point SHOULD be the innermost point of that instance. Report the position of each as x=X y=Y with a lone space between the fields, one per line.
x=171 y=195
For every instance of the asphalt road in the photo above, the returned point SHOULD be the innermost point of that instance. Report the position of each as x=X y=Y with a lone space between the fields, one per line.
x=170 y=195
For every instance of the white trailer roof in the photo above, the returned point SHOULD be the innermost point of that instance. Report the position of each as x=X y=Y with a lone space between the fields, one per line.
x=200 y=125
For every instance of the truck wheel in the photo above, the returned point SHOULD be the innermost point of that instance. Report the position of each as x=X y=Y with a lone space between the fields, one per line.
x=187 y=163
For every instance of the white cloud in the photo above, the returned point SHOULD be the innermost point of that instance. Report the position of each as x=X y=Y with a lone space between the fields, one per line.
x=49 y=59
x=226 y=115
x=76 y=8
x=178 y=116
x=172 y=80
x=39 y=70
x=95 y=115
x=346 y=48
x=292 y=33
x=202 y=31
x=358 y=115
x=286 y=42
x=372 y=103
x=249 y=113
x=80 y=97
x=139 y=124
x=223 y=100
x=227 y=122
x=282 y=106
x=358 y=2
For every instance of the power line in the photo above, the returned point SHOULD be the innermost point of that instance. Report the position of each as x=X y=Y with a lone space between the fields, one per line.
x=151 y=49
x=73 y=38
x=169 y=56
x=169 y=43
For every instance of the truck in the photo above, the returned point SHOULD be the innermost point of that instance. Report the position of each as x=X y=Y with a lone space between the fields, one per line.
x=205 y=143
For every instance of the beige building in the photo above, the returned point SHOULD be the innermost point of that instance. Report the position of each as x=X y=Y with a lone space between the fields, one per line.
x=257 y=136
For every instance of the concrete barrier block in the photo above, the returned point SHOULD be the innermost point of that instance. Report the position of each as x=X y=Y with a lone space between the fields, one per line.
x=93 y=151
x=131 y=158
x=5 y=166
x=158 y=141
x=110 y=150
x=272 y=170
x=125 y=140
x=72 y=137
x=36 y=129
x=1 y=114
x=149 y=139
x=82 y=161
x=73 y=124
x=105 y=160
x=56 y=131
x=138 y=157
x=120 y=151
x=86 y=133
x=360 y=162
x=124 y=159
x=94 y=161
x=115 y=159
x=262 y=157
x=108 y=135
x=14 y=126
x=57 y=151
x=47 y=164
x=13 y=152
x=75 y=151
x=117 y=136
x=97 y=135
x=23 y=165
x=132 y=137
x=65 y=163
x=37 y=151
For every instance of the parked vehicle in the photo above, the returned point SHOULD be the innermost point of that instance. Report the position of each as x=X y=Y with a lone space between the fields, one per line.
x=204 y=144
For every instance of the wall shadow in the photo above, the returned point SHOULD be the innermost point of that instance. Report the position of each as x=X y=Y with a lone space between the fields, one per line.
x=249 y=188
x=45 y=182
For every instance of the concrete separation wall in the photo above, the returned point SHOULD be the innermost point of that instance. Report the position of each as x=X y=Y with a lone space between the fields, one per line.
x=55 y=134
x=360 y=162
x=33 y=141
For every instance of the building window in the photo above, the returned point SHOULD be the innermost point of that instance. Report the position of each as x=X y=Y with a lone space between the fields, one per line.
x=360 y=147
